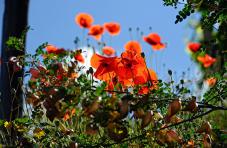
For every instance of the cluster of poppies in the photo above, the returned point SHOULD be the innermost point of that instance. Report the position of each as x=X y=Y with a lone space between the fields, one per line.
x=51 y=49
x=130 y=68
x=206 y=60
x=85 y=20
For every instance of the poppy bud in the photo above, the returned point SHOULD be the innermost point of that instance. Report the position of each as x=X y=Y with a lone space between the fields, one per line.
x=91 y=70
x=170 y=72
x=143 y=54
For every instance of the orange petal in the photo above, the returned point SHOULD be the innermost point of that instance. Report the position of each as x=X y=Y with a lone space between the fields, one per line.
x=133 y=46
x=84 y=20
x=211 y=81
x=108 y=50
x=154 y=40
x=51 y=48
x=206 y=60
x=97 y=59
x=79 y=57
x=113 y=28
x=96 y=31
x=158 y=46
x=194 y=47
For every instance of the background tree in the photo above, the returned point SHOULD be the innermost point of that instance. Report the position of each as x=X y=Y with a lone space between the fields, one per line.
x=213 y=22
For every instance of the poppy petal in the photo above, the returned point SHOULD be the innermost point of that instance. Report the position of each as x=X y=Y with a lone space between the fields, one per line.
x=84 y=20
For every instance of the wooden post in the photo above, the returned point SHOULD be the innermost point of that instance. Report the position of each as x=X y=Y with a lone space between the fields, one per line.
x=14 y=23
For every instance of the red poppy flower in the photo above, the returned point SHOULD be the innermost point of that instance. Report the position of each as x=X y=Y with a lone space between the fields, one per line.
x=79 y=57
x=155 y=41
x=73 y=75
x=69 y=114
x=206 y=60
x=105 y=66
x=60 y=51
x=111 y=84
x=211 y=81
x=130 y=66
x=133 y=46
x=84 y=20
x=66 y=116
x=108 y=50
x=144 y=90
x=194 y=47
x=126 y=82
x=59 y=77
x=113 y=28
x=152 y=76
x=96 y=31
x=147 y=75
x=53 y=49
x=34 y=72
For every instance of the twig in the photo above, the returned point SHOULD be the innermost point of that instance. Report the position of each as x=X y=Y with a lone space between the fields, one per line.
x=172 y=125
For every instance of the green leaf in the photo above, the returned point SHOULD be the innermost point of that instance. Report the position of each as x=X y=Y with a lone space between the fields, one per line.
x=1 y=123
x=24 y=120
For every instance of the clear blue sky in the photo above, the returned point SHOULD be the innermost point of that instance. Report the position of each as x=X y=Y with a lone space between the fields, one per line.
x=53 y=22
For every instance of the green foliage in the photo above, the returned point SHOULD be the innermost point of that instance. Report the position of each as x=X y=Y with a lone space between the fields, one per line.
x=184 y=13
x=1 y=123
x=212 y=12
x=66 y=106
x=171 y=3
x=16 y=43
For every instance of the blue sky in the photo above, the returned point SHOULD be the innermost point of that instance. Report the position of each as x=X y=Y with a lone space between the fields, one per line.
x=53 y=21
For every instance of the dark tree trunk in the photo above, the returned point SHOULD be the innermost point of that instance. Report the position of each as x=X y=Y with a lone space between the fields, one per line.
x=14 y=23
